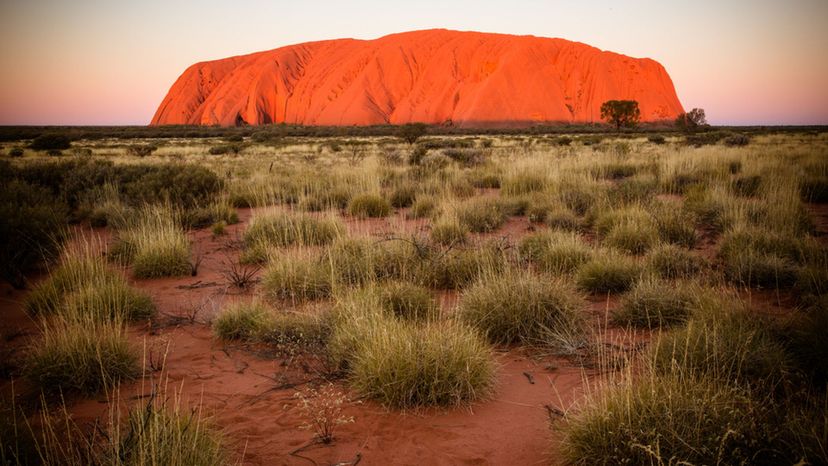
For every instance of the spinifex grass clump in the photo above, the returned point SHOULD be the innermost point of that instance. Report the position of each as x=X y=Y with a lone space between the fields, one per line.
x=243 y=321
x=608 y=272
x=448 y=231
x=80 y=355
x=84 y=285
x=759 y=258
x=404 y=365
x=631 y=230
x=554 y=251
x=156 y=435
x=481 y=215
x=369 y=205
x=671 y=419
x=523 y=183
x=656 y=303
x=286 y=229
x=459 y=267
x=725 y=342
x=408 y=301
x=670 y=261
x=154 y=244
x=520 y=307
x=297 y=277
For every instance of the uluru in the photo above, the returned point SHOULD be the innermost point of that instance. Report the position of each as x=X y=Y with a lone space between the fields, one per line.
x=431 y=76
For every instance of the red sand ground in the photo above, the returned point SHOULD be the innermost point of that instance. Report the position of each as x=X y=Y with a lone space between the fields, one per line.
x=432 y=76
x=238 y=386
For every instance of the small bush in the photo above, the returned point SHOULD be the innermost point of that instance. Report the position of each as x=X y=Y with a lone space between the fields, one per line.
x=438 y=364
x=244 y=321
x=230 y=148
x=369 y=206
x=32 y=229
x=656 y=303
x=656 y=139
x=671 y=261
x=607 y=273
x=408 y=301
x=736 y=140
x=521 y=308
x=83 y=356
x=16 y=152
x=47 y=142
x=481 y=215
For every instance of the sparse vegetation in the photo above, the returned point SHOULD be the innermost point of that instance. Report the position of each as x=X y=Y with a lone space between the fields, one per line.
x=689 y=284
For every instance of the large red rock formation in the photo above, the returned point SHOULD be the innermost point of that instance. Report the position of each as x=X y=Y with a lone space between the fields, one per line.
x=433 y=76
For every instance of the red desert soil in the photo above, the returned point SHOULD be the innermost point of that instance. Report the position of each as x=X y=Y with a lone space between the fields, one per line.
x=239 y=386
x=433 y=76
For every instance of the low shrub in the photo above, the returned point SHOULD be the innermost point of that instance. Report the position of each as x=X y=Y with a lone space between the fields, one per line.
x=736 y=140
x=33 y=229
x=521 y=308
x=50 y=142
x=369 y=206
x=656 y=139
x=607 y=273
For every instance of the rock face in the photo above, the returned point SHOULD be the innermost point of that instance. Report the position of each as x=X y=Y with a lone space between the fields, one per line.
x=433 y=76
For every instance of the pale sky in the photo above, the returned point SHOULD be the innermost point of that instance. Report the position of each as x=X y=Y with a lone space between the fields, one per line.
x=109 y=62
